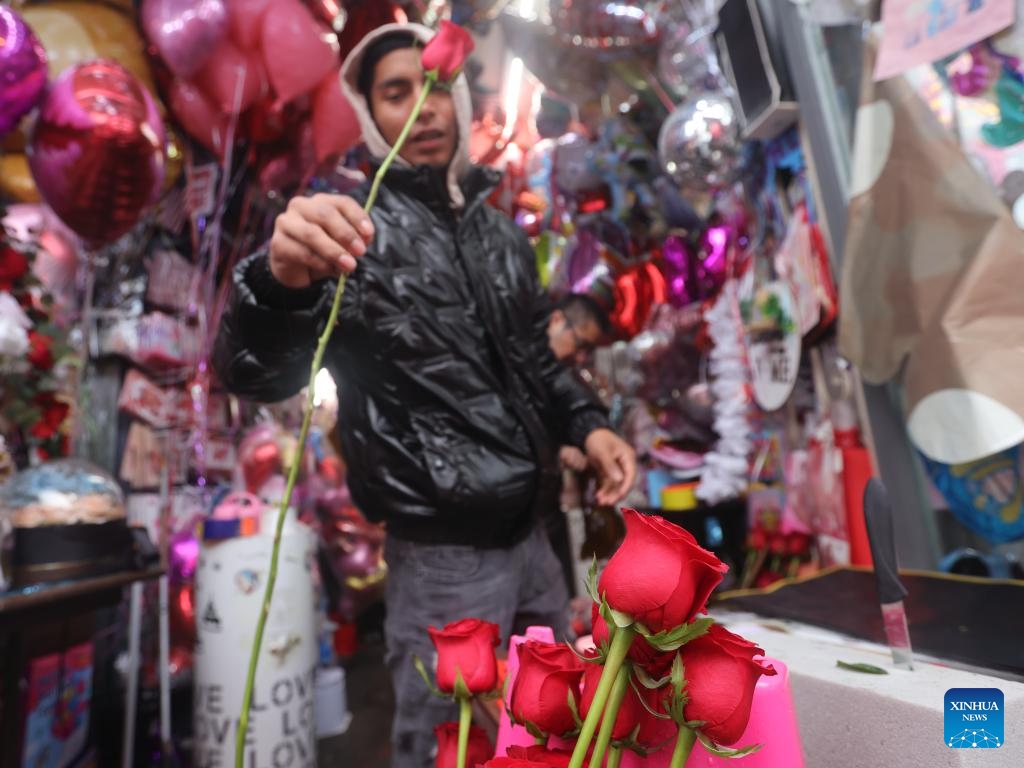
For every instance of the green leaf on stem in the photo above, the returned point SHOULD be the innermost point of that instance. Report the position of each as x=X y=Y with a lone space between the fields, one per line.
x=620 y=619
x=575 y=711
x=592 y=581
x=720 y=751
x=422 y=669
x=675 y=638
x=648 y=682
x=460 y=688
x=534 y=731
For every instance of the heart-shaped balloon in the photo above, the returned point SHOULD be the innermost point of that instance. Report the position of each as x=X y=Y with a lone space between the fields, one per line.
x=97 y=150
x=22 y=69
x=184 y=32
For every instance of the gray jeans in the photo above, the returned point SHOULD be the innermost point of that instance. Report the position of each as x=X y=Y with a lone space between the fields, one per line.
x=433 y=585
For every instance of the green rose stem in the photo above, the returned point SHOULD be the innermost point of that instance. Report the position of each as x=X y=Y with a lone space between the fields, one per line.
x=684 y=745
x=604 y=736
x=293 y=471
x=614 y=757
x=621 y=640
x=465 y=717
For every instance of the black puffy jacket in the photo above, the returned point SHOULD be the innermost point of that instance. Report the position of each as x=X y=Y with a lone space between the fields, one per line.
x=452 y=405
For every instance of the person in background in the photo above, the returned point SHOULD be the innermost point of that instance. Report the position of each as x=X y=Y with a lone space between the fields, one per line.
x=453 y=406
x=579 y=324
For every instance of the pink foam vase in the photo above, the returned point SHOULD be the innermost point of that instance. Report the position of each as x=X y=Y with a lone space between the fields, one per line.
x=772 y=723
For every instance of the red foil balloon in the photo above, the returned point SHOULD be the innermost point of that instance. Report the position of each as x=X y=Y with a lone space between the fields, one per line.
x=260 y=457
x=637 y=291
x=97 y=150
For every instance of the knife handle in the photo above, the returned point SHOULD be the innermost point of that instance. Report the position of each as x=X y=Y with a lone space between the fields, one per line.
x=878 y=517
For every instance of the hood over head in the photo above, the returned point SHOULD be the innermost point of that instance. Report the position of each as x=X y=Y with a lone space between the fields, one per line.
x=375 y=142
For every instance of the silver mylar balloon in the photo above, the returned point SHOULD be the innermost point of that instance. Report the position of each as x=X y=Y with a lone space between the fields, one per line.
x=688 y=62
x=699 y=143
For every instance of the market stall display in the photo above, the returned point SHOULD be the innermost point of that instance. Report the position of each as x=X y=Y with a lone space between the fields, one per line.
x=756 y=323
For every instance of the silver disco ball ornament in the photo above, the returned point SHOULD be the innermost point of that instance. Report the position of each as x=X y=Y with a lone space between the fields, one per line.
x=699 y=143
x=688 y=62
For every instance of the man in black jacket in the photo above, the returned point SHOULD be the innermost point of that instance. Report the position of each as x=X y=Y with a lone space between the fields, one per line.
x=452 y=406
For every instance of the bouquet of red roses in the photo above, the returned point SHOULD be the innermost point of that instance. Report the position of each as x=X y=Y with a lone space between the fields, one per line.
x=659 y=676
x=33 y=406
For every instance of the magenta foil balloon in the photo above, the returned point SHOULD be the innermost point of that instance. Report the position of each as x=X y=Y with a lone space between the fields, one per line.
x=22 y=69
x=184 y=32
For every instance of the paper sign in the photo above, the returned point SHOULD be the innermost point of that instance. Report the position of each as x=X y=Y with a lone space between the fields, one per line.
x=923 y=31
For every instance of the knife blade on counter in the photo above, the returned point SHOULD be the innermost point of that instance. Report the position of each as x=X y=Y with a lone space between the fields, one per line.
x=878 y=518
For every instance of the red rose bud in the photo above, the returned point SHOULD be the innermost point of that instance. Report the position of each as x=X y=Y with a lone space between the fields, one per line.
x=466 y=647
x=721 y=674
x=13 y=267
x=654 y=662
x=777 y=544
x=660 y=575
x=629 y=711
x=798 y=544
x=513 y=762
x=478 y=751
x=40 y=354
x=548 y=675
x=447 y=51
x=756 y=539
x=539 y=754
x=654 y=732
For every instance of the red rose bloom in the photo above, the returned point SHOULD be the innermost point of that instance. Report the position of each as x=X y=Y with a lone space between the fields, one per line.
x=548 y=675
x=721 y=674
x=447 y=51
x=40 y=354
x=466 y=647
x=53 y=412
x=629 y=711
x=538 y=754
x=654 y=662
x=479 y=749
x=660 y=575
x=13 y=267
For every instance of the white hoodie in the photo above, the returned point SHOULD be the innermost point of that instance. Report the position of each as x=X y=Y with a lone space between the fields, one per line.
x=376 y=143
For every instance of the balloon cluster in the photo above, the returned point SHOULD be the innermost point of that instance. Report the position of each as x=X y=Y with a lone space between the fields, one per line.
x=266 y=71
x=97 y=151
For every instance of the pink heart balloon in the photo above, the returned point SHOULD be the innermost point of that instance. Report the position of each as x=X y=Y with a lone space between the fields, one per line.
x=296 y=50
x=335 y=127
x=184 y=32
x=233 y=80
x=22 y=69
x=198 y=116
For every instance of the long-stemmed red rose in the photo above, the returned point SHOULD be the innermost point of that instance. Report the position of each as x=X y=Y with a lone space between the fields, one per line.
x=654 y=585
x=721 y=675
x=465 y=649
x=447 y=52
x=660 y=576
x=711 y=690
x=548 y=679
x=466 y=667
